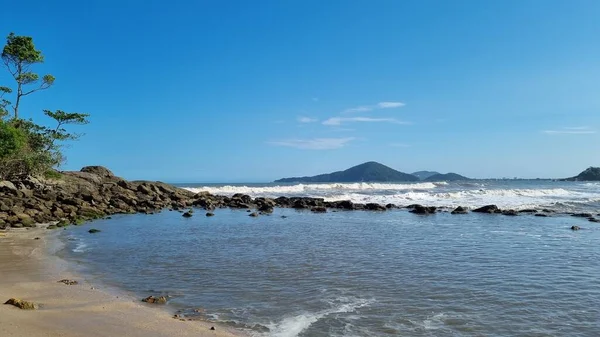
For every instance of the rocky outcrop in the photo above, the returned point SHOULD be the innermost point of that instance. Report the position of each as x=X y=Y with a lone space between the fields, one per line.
x=25 y=305
x=95 y=192
x=92 y=193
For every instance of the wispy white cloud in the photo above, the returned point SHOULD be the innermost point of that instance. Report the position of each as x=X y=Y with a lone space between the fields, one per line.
x=390 y=105
x=358 y=109
x=303 y=119
x=314 y=143
x=403 y=145
x=573 y=130
x=568 y=132
x=341 y=120
x=380 y=105
x=577 y=128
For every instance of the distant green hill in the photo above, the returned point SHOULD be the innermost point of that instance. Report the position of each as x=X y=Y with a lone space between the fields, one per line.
x=367 y=172
x=424 y=174
x=446 y=177
x=590 y=174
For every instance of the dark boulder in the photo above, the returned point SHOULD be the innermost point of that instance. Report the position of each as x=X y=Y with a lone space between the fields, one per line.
x=155 y=300
x=266 y=208
x=390 y=206
x=488 y=209
x=374 y=207
x=575 y=228
x=541 y=215
x=187 y=214
x=99 y=171
x=418 y=209
x=510 y=212
x=459 y=210
x=25 y=305
x=253 y=214
x=210 y=214
x=91 y=231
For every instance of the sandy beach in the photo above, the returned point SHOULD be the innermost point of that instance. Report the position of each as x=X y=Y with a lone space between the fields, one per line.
x=30 y=271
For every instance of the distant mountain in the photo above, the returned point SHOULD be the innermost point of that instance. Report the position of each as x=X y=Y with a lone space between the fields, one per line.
x=424 y=174
x=590 y=174
x=446 y=177
x=367 y=172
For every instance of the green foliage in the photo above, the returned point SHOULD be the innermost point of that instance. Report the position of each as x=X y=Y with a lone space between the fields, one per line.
x=12 y=140
x=21 y=50
x=18 y=55
x=28 y=148
x=52 y=174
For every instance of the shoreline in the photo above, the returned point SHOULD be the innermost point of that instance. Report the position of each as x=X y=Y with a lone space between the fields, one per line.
x=31 y=271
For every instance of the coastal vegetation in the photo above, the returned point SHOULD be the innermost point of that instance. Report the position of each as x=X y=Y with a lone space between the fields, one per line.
x=28 y=147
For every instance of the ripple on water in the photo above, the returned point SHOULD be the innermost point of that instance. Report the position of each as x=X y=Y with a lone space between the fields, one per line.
x=359 y=273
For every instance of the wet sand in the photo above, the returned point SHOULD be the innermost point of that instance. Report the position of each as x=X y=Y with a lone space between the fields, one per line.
x=29 y=270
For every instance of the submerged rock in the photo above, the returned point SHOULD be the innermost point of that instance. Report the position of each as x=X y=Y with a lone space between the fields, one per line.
x=94 y=230
x=318 y=209
x=510 y=212
x=541 y=215
x=253 y=214
x=155 y=300
x=528 y=211
x=575 y=228
x=582 y=215
x=210 y=214
x=25 y=305
x=187 y=214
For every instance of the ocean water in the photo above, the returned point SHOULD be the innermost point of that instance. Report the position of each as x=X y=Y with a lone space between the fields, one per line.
x=392 y=273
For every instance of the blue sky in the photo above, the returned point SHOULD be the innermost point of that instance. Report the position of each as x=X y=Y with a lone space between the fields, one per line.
x=234 y=91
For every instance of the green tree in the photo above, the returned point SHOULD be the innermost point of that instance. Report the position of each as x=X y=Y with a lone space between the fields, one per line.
x=18 y=55
x=28 y=148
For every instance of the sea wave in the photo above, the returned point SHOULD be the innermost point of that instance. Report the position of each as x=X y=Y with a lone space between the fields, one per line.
x=292 y=326
x=311 y=188
x=514 y=198
x=81 y=247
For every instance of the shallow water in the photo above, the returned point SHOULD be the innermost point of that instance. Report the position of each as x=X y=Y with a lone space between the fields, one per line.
x=357 y=273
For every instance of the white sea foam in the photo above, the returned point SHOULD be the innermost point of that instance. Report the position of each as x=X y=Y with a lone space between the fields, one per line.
x=294 y=325
x=516 y=198
x=311 y=188
x=80 y=248
x=438 y=194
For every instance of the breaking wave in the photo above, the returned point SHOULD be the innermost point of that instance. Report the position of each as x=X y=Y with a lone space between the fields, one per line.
x=304 y=189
